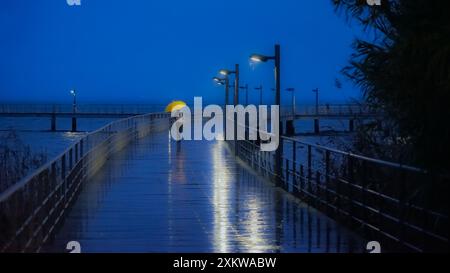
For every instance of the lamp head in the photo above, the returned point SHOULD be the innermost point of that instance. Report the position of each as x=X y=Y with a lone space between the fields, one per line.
x=225 y=72
x=258 y=58
x=219 y=80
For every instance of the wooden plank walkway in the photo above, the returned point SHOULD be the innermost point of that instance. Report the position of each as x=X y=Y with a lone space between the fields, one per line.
x=157 y=196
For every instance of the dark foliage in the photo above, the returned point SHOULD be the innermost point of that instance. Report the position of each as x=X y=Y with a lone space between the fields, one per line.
x=405 y=70
x=16 y=160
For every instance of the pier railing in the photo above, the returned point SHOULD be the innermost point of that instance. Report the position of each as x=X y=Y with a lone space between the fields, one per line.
x=403 y=207
x=31 y=209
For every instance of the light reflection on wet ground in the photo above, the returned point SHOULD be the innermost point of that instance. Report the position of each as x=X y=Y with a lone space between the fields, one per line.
x=157 y=196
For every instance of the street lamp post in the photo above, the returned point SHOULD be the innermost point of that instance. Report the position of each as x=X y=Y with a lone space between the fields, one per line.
x=225 y=82
x=245 y=87
x=317 y=100
x=226 y=73
x=290 y=128
x=74 y=110
x=277 y=60
x=260 y=88
x=292 y=90
x=316 y=120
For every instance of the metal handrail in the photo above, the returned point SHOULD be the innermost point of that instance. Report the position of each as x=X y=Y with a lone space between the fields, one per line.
x=356 y=156
x=337 y=183
x=5 y=194
x=336 y=151
x=32 y=207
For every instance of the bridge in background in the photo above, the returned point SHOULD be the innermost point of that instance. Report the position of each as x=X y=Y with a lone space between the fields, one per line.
x=54 y=111
x=128 y=187
x=350 y=112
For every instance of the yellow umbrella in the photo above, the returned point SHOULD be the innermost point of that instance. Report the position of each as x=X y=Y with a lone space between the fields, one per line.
x=175 y=105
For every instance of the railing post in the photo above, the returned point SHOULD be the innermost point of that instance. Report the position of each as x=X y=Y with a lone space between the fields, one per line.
x=350 y=184
x=363 y=192
x=318 y=189
x=53 y=176
x=338 y=194
x=70 y=159
x=294 y=163
x=302 y=179
x=81 y=148
x=402 y=206
x=309 y=170
x=63 y=176
x=327 y=179
x=279 y=159
x=76 y=153
x=286 y=179
x=63 y=167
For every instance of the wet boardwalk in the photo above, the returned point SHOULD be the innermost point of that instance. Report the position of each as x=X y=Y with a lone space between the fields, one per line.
x=156 y=196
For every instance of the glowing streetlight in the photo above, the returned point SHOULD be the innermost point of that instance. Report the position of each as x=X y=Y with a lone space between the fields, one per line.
x=227 y=73
x=225 y=82
x=219 y=81
x=260 y=58
x=277 y=59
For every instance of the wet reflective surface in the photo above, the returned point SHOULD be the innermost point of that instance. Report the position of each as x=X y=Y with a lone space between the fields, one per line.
x=160 y=196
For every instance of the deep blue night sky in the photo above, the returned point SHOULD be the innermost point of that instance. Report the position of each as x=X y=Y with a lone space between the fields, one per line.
x=150 y=51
